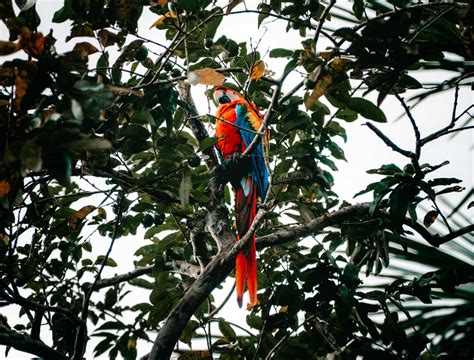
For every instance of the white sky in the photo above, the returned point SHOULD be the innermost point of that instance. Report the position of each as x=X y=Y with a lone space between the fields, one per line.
x=363 y=150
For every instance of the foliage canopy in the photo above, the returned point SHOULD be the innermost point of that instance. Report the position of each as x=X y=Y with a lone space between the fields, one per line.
x=95 y=144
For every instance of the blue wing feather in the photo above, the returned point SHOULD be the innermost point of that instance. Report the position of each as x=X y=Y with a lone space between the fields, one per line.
x=259 y=170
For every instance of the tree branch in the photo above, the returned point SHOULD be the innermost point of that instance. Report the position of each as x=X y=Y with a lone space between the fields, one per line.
x=310 y=227
x=27 y=344
x=222 y=264
x=389 y=142
x=436 y=240
x=179 y=266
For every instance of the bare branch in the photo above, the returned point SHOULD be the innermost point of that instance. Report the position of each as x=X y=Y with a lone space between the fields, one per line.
x=178 y=266
x=389 y=142
x=454 y=118
x=413 y=124
x=435 y=239
x=322 y=19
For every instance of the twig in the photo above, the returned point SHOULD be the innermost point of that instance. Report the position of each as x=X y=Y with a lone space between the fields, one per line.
x=454 y=118
x=413 y=124
x=389 y=142
x=322 y=20
x=37 y=306
x=27 y=344
x=81 y=336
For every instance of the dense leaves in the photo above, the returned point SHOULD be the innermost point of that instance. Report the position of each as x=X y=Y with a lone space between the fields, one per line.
x=103 y=144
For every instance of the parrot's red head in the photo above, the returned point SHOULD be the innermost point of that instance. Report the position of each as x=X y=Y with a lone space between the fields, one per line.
x=223 y=95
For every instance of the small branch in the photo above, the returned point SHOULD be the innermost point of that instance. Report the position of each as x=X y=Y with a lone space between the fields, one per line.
x=291 y=93
x=81 y=335
x=322 y=20
x=389 y=142
x=413 y=124
x=27 y=344
x=36 y=306
x=436 y=240
x=454 y=118
x=178 y=266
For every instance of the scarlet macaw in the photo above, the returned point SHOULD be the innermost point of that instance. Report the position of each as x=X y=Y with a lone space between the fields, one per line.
x=242 y=121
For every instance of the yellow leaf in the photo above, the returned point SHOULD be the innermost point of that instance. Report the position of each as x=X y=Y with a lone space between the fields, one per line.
x=4 y=188
x=206 y=76
x=258 y=70
x=319 y=90
x=132 y=343
x=5 y=238
x=101 y=214
x=284 y=309
x=339 y=65
x=168 y=16
x=78 y=216
x=430 y=218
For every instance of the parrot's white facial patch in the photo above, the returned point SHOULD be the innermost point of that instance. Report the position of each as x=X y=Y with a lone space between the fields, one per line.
x=224 y=95
x=232 y=94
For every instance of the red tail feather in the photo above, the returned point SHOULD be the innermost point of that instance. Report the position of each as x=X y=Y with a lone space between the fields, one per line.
x=246 y=261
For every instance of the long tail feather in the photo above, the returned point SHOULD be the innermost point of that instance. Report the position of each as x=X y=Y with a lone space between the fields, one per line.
x=246 y=262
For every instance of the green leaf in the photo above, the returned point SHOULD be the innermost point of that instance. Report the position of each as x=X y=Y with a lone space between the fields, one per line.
x=134 y=130
x=64 y=13
x=277 y=53
x=185 y=188
x=366 y=109
x=358 y=8
x=189 y=5
x=25 y=4
x=227 y=330
x=387 y=169
x=110 y=262
x=207 y=143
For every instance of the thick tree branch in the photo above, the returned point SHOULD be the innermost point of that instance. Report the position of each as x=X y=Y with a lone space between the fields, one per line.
x=435 y=239
x=221 y=266
x=27 y=344
x=310 y=227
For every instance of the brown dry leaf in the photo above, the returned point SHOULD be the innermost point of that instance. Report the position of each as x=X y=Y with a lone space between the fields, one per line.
x=107 y=38
x=430 y=218
x=8 y=47
x=284 y=309
x=159 y=3
x=76 y=218
x=319 y=90
x=232 y=4
x=81 y=30
x=125 y=91
x=21 y=85
x=206 y=76
x=85 y=49
x=167 y=17
x=258 y=70
x=5 y=188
